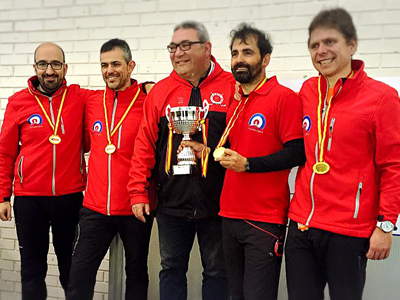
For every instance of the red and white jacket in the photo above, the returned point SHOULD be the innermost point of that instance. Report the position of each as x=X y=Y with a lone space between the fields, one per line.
x=189 y=196
x=362 y=148
x=106 y=190
x=271 y=117
x=26 y=155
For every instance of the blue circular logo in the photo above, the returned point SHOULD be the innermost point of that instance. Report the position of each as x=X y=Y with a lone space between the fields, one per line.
x=97 y=127
x=257 y=120
x=306 y=123
x=35 y=120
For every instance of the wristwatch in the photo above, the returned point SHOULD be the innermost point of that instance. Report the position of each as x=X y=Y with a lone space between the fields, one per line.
x=247 y=166
x=386 y=226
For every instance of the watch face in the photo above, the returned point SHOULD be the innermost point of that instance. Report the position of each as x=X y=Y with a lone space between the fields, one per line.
x=387 y=226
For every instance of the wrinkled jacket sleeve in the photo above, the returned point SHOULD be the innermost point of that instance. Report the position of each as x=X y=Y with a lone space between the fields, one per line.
x=144 y=155
x=9 y=141
x=387 y=156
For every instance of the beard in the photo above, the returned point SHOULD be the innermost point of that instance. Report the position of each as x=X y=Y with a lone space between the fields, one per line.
x=247 y=76
x=52 y=85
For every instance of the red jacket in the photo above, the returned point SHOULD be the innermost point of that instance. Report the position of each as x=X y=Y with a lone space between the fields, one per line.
x=362 y=148
x=187 y=196
x=271 y=117
x=106 y=191
x=38 y=167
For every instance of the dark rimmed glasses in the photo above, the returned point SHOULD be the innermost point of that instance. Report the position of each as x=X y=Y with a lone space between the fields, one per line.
x=55 y=65
x=184 y=46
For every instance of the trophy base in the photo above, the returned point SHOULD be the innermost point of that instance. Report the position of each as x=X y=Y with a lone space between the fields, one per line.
x=181 y=169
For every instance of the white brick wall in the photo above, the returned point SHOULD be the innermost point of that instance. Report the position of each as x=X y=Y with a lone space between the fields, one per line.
x=82 y=26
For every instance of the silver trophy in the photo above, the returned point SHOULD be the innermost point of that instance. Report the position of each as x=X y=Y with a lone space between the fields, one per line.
x=186 y=120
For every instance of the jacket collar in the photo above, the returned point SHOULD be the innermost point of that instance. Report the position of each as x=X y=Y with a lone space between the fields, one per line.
x=264 y=90
x=359 y=76
x=33 y=84
x=125 y=95
x=214 y=73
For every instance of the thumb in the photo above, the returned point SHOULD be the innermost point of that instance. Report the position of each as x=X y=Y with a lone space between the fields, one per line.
x=147 y=209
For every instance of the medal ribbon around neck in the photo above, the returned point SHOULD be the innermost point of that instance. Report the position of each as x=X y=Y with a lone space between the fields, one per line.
x=219 y=149
x=321 y=167
x=110 y=148
x=54 y=138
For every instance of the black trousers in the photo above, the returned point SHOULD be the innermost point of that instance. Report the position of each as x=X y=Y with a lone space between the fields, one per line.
x=33 y=216
x=94 y=236
x=316 y=257
x=253 y=256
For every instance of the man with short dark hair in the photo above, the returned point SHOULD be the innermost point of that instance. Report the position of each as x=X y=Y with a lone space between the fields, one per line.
x=112 y=119
x=265 y=139
x=187 y=204
x=41 y=151
x=346 y=200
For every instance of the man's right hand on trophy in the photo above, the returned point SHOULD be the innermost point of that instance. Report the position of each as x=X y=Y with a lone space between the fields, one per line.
x=196 y=146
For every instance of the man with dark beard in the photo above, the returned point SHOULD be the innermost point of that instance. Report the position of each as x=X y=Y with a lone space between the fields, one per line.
x=265 y=135
x=41 y=158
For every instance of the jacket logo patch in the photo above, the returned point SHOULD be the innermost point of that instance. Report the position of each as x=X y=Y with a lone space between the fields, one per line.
x=217 y=99
x=257 y=121
x=306 y=123
x=97 y=127
x=35 y=120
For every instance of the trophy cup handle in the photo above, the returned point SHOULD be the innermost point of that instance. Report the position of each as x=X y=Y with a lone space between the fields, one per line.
x=205 y=109
x=167 y=111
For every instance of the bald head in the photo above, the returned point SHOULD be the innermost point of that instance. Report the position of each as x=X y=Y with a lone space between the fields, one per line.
x=49 y=49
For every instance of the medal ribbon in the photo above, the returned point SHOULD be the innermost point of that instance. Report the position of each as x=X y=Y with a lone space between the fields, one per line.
x=322 y=135
x=169 y=149
x=55 y=128
x=204 y=154
x=235 y=116
x=109 y=135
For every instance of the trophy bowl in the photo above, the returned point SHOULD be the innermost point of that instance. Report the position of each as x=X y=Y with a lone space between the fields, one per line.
x=185 y=120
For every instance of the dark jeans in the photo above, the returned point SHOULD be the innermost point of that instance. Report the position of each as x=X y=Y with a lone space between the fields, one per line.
x=176 y=237
x=95 y=234
x=33 y=217
x=253 y=258
x=316 y=257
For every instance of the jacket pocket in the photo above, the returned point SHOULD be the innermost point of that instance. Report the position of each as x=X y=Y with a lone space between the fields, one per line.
x=330 y=134
x=357 y=202
x=19 y=170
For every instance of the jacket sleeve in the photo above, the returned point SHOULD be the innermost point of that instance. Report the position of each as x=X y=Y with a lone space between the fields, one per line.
x=9 y=144
x=387 y=156
x=144 y=154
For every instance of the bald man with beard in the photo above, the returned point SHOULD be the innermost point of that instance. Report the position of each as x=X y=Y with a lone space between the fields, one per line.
x=42 y=164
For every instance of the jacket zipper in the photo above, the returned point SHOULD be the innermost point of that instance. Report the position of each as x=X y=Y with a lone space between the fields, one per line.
x=357 y=208
x=330 y=134
x=62 y=125
x=119 y=136
x=82 y=158
x=312 y=189
x=109 y=156
x=53 y=180
x=316 y=153
x=19 y=170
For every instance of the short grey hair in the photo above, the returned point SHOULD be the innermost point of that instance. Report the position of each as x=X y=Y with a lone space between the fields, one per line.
x=202 y=32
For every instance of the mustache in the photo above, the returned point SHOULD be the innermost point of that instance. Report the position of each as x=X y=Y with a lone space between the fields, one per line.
x=50 y=76
x=241 y=65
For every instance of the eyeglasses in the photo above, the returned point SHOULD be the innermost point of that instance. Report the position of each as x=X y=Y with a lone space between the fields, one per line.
x=55 y=65
x=184 y=46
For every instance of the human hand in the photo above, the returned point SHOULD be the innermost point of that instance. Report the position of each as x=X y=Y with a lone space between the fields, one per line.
x=232 y=160
x=5 y=211
x=139 y=209
x=379 y=245
x=196 y=146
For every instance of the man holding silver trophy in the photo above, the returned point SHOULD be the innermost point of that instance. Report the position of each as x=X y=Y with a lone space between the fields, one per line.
x=192 y=102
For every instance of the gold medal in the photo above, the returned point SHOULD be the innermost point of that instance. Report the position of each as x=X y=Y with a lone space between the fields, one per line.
x=218 y=152
x=55 y=139
x=321 y=167
x=110 y=149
